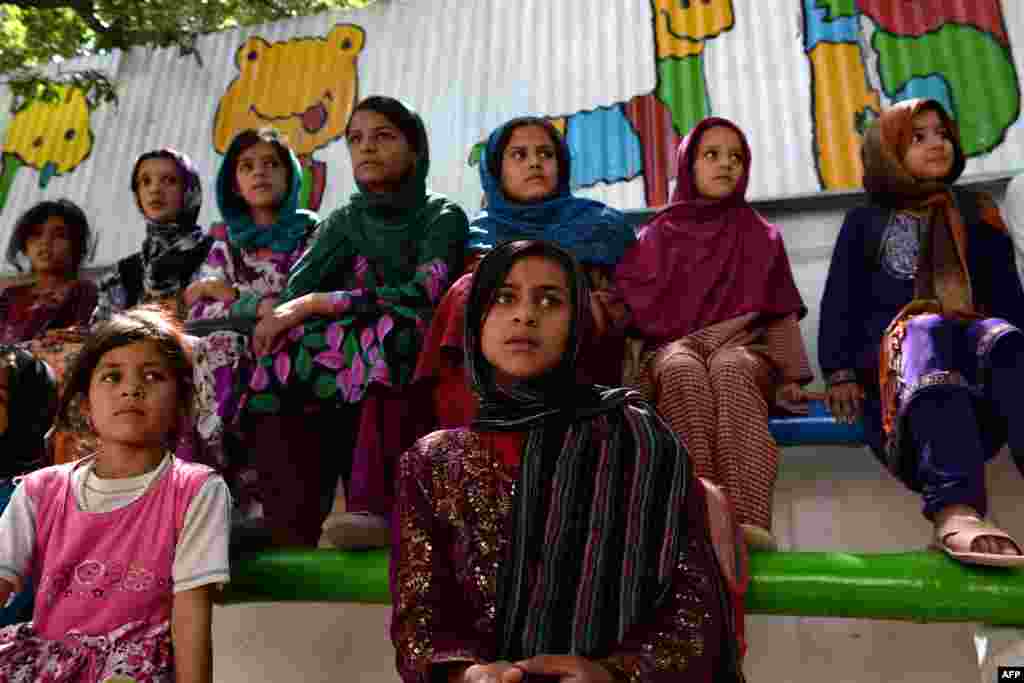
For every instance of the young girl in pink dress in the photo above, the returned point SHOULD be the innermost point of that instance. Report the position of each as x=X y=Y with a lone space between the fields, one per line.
x=125 y=545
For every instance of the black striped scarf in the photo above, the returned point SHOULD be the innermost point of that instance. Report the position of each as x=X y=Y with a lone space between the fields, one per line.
x=598 y=515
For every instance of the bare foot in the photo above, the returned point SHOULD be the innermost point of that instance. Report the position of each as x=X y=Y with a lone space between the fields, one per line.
x=947 y=519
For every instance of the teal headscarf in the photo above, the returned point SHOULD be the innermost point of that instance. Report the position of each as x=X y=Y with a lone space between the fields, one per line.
x=293 y=224
x=386 y=228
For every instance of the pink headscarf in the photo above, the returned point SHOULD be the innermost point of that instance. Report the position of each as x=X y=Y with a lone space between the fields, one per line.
x=699 y=262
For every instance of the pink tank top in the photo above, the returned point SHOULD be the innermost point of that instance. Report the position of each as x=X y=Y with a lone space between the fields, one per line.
x=96 y=571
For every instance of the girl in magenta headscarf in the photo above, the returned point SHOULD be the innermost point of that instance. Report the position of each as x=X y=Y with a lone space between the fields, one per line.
x=712 y=294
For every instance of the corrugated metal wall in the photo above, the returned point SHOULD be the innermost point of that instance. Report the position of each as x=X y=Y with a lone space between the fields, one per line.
x=624 y=78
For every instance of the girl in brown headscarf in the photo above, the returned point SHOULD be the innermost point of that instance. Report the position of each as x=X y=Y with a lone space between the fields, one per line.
x=928 y=271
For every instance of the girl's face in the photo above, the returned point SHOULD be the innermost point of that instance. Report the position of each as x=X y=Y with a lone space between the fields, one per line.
x=133 y=396
x=718 y=164
x=526 y=330
x=930 y=154
x=261 y=177
x=529 y=165
x=49 y=247
x=5 y=397
x=381 y=154
x=161 y=190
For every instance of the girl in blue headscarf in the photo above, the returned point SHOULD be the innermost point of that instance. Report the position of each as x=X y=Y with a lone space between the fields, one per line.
x=525 y=174
x=263 y=234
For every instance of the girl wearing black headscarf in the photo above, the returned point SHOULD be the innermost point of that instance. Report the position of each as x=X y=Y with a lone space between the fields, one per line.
x=563 y=535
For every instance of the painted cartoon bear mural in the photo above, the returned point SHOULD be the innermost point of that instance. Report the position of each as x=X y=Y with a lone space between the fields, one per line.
x=51 y=137
x=304 y=87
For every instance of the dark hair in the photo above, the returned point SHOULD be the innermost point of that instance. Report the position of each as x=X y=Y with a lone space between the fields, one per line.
x=398 y=114
x=488 y=279
x=31 y=406
x=141 y=324
x=243 y=141
x=186 y=174
x=494 y=162
x=65 y=209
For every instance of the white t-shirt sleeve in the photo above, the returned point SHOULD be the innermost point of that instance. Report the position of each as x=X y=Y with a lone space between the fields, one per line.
x=17 y=537
x=202 y=554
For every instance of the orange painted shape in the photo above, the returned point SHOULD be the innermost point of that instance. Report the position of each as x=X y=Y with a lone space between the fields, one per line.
x=841 y=94
x=681 y=27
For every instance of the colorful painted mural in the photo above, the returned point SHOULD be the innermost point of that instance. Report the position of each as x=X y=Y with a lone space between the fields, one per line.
x=952 y=51
x=955 y=52
x=647 y=128
x=304 y=87
x=51 y=137
x=624 y=81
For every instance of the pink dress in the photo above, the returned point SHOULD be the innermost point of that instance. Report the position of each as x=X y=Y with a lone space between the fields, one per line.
x=105 y=587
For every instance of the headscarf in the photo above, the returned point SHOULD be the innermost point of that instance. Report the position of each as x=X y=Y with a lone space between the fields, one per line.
x=171 y=252
x=591 y=231
x=942 y=274
x=292 y=225
x=605 y=554
x=942 y=283
x=30 y=412
x=385 y=227
x=701 y=261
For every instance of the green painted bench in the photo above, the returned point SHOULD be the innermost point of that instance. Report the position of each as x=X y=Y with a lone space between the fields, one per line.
x=921 y=586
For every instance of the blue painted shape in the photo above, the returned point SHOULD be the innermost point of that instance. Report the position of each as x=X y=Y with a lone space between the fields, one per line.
x=818 y=427
x=934 y=87
x=49 y=171
x=818 y=28
x=603 y=146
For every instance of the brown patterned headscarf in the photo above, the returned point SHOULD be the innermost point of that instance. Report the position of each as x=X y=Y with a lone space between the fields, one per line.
x=942 y=278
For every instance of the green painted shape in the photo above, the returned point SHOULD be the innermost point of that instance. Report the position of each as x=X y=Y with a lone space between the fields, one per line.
x=307 y=187
x=979 y=70
x=310 y=575
x=682 y=88
x=11 y=164
x=922 y=586
x=477 y=153
x=838 y=9
x=925 y=586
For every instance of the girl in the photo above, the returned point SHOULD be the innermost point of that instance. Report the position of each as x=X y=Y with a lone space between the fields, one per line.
x=124 y=545
x=928 y=272
x=340 y=349
x=28 y=403
x=55 y=237
x=258 y=196
x=517 y=539
x=525 y=176
x=711 y=292
x=167 y=191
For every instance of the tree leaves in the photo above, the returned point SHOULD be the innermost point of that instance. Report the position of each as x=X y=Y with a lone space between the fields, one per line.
x=36 y=33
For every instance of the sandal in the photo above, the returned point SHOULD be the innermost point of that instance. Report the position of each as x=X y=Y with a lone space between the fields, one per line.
x=757 y=538
x=356 y=531
x=973 y=528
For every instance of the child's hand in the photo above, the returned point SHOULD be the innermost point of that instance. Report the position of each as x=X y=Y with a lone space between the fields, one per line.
x=567 y=668
x=267 y=306
x=495 y=672
x=210 y=288
x=281 y=319
x=845 y=401
x=790 y=393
